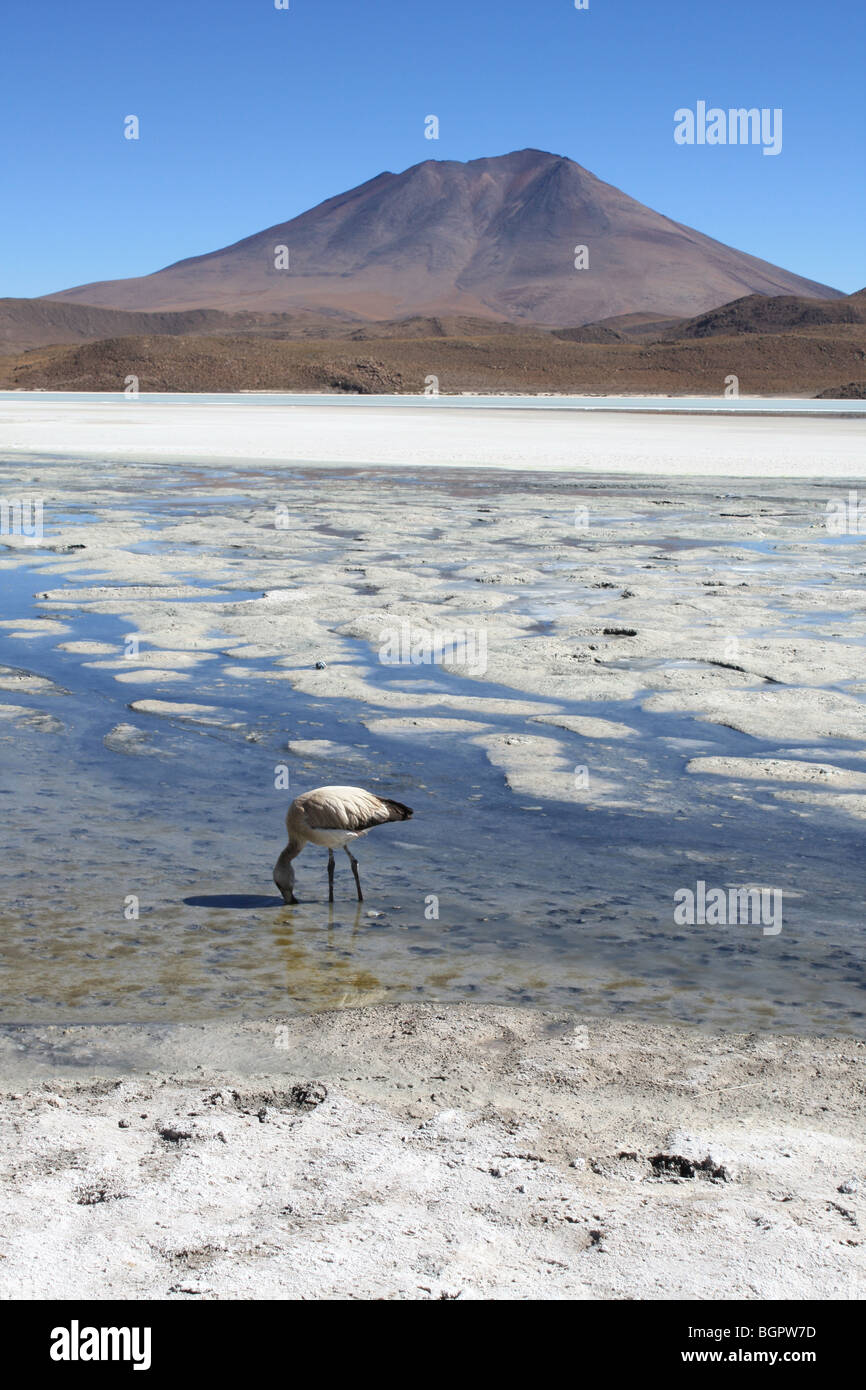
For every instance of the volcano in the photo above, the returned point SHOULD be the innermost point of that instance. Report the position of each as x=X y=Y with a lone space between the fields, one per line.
x=527 y=237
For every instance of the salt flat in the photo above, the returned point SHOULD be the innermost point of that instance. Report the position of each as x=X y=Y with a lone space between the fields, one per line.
x=405 y=435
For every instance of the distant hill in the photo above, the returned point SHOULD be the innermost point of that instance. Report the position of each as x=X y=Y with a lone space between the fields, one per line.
x=815 y=347
x=32 y=323
x=621 y=328
x=752 y=313
x=491 y=238
x=802 y=362
x=28 y=323
x=755 y=313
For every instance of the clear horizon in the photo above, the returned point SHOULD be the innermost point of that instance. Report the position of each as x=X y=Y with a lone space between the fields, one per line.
x=249 y=117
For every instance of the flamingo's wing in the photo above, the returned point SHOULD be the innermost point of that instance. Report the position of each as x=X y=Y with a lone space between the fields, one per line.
x=348 y=808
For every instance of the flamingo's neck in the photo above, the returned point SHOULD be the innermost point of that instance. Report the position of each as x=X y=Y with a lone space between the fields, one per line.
x=293 y=848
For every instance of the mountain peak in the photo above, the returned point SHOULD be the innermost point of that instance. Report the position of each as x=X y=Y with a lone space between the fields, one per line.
x=495 y=236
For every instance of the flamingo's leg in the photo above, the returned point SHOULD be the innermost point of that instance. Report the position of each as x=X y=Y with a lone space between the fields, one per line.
x=330 y=875
x=353 y=861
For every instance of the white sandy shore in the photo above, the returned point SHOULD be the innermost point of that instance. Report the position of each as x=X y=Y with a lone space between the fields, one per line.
x=554 y=440
x=422 y=1152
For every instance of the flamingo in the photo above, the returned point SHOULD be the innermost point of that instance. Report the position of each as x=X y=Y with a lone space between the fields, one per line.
x=332 y=817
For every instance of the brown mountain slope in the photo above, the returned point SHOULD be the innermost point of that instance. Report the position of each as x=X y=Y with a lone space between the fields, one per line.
x=802 y=363
x=491 y=237
x=639 y=325
x=621 y=328
x=27 y=323
x=31 y=323
x=753 y=313
x=756 y=313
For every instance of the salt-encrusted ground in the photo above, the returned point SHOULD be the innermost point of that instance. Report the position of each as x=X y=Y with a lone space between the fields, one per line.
x=419 y=1152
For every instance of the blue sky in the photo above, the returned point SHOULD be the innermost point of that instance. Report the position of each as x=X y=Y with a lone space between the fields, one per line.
x=249 y=115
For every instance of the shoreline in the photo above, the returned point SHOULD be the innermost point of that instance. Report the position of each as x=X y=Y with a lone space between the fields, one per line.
x=35 y=1054
x=650 y=402
x=430 y=1151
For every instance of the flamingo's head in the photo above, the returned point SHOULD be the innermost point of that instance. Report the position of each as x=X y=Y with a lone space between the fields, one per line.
x=284 y=876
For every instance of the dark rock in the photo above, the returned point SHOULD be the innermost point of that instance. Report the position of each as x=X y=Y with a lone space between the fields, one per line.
x=676 y=1166
x=309 y=1093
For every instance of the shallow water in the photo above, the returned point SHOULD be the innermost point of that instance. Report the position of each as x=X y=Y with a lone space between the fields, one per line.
x=539 y=901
